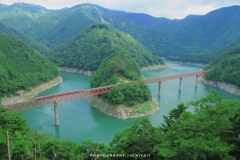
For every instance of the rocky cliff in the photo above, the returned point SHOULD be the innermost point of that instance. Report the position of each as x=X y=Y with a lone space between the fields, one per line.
x=124 y=112
x=224 y=86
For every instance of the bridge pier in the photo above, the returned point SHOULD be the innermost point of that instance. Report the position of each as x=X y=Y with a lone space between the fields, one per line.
x=159 y=88
x=196 y=81
x=56 y=114
x=180 y=84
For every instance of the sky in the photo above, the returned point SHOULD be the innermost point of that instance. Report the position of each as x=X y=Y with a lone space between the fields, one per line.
x=172 y=9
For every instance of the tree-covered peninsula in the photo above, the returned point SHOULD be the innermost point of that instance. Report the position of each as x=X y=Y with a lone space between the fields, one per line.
x=226 y=67
x=128 y=97
x=21 y=67
x=92 y=45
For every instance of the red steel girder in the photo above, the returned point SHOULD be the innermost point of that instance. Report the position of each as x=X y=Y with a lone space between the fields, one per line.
x=67 y=96
x=56 y=98
x=167 y=78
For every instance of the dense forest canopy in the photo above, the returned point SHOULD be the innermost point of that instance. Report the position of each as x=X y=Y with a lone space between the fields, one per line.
x=193 y=58
x=211 y=131
x=89 y=48
x=21 y=67
x=5 y=29
x=193 y=34
x=226 y=66
x=120 y=67
x=179 y=39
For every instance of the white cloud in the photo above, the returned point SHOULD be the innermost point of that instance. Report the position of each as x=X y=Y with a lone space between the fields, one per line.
x=158 y=8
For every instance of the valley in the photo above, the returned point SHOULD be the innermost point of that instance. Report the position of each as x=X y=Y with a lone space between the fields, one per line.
x=87 y=46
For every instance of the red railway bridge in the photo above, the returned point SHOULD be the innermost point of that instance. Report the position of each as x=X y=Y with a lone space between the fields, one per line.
x=66 y=96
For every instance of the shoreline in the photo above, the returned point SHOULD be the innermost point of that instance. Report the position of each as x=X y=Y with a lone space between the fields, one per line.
x=124 y=112
x=232 y=89
x=23 y=95
x=188 y=63
x=91 y=73
x=154 y=67
x=75 y=70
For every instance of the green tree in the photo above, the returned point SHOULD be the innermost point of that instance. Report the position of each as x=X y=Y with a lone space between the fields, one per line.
x=59 y=149
x=203 y=134
x=141 y=138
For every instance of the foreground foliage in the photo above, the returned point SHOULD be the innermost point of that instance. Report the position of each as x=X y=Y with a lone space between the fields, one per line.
x=22 y=67
x=211 y=131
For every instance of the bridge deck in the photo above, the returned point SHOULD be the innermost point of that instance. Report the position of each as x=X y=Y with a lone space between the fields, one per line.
x=66 y=96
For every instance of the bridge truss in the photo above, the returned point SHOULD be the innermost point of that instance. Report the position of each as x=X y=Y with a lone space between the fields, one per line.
x=62 y=97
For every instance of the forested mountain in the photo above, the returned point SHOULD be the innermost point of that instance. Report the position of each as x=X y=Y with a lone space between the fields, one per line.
x=58 y=27
x=204 y=58
x=28 y=40
x=204 y=33
x=21 y=67
x=89 y=48
x=226 y=66
x=19 y=15
x=191 y=35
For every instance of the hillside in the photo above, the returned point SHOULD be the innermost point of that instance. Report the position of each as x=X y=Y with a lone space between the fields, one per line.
x=226 y=66
x=117 y=67
x=58 y=27
x=19 y=15
x=21 y=67
x=89 y=48
x=200 y=34
x=190 y=36
x=28 y=40
x=160 y=35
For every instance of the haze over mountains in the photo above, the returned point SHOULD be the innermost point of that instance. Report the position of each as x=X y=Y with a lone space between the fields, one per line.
x=193 y=34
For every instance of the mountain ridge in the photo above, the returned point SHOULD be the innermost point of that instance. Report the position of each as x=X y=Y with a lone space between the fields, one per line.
x=41 y=48
x=193 y=34
x=89 y=48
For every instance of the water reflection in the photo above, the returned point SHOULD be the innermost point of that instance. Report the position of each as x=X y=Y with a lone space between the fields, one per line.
x=179 y=96
x=57 y=132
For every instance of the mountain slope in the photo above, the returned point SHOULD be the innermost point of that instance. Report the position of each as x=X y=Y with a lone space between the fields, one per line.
x=192 y=35
x=22 y=67
x=212 y=31
x=19 y=15
x=28 y=40
x=58 y=27
x=89 y=48
x=226 y=66
x=117 y=67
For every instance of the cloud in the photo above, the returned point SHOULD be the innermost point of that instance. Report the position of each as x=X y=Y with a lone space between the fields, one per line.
x=157 y=8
